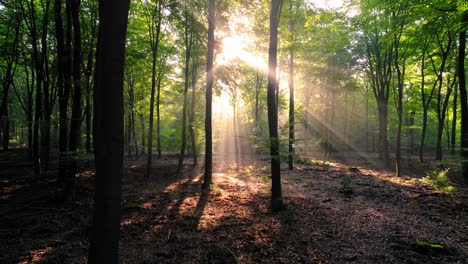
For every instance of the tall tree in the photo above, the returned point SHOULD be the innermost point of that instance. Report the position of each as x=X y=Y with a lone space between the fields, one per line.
x=445 y=43
x=193 y=85
x=154 y=16
x=188 y=43
x=108 y=130
x=379 y=51
x=207 y=178
x=291 y=88
x=61 y=85
x=75 y=125
x=11 y=56
x=463 y=95
x=276 y=197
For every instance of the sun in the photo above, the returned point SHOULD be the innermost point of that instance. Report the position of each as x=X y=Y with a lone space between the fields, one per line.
x=241 y=46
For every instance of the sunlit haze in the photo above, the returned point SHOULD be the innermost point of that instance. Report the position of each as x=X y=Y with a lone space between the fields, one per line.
x=333 y=4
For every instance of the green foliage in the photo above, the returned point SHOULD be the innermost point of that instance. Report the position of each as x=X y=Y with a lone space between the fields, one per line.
x=353 y=169
x=439 y=180
x=428 y=245
x=216 y=189
x=345 y=185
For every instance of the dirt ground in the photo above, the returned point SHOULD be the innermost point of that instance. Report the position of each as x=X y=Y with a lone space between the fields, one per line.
x=346 y=211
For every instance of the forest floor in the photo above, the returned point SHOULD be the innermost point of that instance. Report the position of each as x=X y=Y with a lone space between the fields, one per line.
x=343 y=211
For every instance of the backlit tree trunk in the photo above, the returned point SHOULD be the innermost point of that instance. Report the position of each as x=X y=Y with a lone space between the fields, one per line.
x=276 y=197
x=207 y=178
x=108 y=130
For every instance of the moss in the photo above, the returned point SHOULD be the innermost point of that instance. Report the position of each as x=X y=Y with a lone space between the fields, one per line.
x=428 y=245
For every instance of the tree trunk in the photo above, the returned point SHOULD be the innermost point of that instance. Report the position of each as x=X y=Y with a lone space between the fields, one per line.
x=463 y=100
x=75 y=125
x=108 y=131
x=154 y=38
x=142 y=123
x=276 y=197
x=291 y=92
x=88 y=73
x=158 y=118
x=188 y=39
x=383 y=139
x=151 y=116
x=411 y=132
x=192 y=110
x=61 y=86
x=207 y=178
x=8 y=80
x=454 y=121
x=47 y=111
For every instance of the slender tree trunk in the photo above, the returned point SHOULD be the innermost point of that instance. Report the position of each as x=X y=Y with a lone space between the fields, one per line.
x=257 y=94
x=367 y=118
x=192 y=110
x=411 y=132
x=37 y=61
x=108 y=130
x=128 y=134
x=400 y=69
x=8 y=80
x=463 y=100
x=88 y=71
x=454 y=121
x=143 y=136
x=276 y=197
x=75 y=125
x=207 y=178
x=88 y=118
x=188 y=39
x=151 y=117
x=158 y=118
x=383 y=139
x=131 y=96
x=291 y=92
x=154 y=38
x=61 y=86
x=47 y=111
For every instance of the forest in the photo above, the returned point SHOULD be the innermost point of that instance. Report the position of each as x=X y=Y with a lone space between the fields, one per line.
x=241 y=131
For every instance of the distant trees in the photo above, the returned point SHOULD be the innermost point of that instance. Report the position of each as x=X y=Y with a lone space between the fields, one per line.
x=382 y=81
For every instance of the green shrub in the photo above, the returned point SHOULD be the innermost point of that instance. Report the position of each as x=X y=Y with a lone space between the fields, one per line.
x=345 y=185
x=438 y=180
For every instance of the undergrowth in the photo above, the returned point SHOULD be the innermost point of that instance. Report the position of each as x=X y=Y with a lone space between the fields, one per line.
x=439 y=180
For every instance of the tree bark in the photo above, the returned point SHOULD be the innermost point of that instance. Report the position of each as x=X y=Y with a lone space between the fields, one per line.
x=188 y=40
x=192 y=110
x=276 y=197
x=463 y=99
x=291 y=91
x=207 y=177
x=154 y=39
x=75 y=125
x=454 y=122
x=108 y=130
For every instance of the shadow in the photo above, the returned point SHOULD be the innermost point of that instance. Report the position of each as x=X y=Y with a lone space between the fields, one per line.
x=169 y=219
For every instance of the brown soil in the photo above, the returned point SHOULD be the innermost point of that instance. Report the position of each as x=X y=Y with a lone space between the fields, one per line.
x=377 y=218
